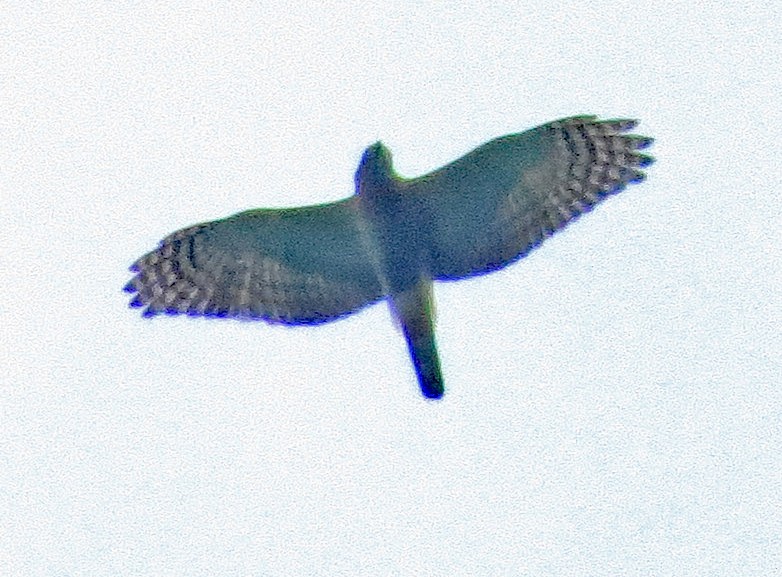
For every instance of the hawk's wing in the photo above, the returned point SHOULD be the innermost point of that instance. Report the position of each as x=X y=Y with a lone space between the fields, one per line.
x=293 y=266
x=493 y=205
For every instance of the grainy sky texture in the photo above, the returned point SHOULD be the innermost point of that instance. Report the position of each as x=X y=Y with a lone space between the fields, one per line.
x=613 y=402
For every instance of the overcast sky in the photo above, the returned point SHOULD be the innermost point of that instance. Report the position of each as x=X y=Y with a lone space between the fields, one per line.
x=613 y=402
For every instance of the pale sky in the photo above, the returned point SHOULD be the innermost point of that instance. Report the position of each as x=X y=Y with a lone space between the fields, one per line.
x=613 y=402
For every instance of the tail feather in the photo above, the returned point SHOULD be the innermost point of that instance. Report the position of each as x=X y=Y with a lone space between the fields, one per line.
x=414 y=311
x=423 y=351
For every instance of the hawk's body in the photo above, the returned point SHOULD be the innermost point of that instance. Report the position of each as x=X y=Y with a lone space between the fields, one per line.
x=394 y=236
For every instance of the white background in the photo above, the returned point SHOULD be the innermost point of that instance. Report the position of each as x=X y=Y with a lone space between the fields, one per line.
x=613 y=402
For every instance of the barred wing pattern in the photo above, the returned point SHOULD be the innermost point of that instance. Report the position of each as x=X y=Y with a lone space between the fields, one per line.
x=495 y=204
x=293 y=266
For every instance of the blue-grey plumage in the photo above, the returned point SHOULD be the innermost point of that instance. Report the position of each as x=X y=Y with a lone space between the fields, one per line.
x=314 y=264
x=398 y=232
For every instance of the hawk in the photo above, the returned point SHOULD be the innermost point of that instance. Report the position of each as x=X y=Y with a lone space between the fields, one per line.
x=394 y=236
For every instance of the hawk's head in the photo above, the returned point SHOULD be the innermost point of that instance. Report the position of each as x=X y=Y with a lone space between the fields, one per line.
x=375 y=172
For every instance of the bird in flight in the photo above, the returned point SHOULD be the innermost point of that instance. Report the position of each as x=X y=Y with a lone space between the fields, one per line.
x=394 y=236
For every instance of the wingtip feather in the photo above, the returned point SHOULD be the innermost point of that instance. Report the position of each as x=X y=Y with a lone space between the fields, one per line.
x=644 y=160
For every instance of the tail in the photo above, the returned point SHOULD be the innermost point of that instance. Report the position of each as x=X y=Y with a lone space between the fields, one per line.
x=423 y=351
x=413 y=308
